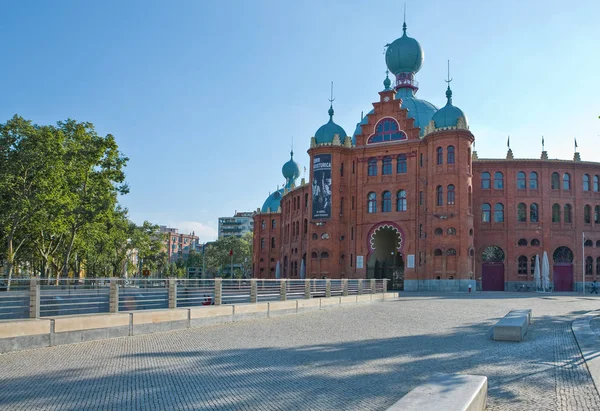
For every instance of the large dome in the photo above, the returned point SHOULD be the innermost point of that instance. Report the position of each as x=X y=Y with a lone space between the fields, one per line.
x=272 y=202
x=326 y=132
x=404 y=55
x=448 y=115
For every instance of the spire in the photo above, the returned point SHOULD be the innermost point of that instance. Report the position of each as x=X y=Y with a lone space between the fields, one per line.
x=292 y=150
x=331 y=100
x=387 y=82
x=404 y=24
x=448 y=91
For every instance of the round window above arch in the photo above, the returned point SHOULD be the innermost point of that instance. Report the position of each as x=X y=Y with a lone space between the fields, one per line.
x=535 y=242
x=522 y=242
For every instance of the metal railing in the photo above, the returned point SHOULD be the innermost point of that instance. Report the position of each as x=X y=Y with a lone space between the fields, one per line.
x=34 y=297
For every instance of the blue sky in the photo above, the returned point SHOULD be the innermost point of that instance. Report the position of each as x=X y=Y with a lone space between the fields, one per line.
x=205 y=96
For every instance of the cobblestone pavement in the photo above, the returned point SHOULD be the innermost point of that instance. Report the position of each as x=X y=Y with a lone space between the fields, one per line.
x=358 y=358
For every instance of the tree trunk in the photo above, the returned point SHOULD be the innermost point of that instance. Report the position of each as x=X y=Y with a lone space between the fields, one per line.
x=10 y=260
x=65 y=270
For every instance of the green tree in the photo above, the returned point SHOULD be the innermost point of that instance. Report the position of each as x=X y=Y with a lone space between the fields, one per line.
x=217 y=253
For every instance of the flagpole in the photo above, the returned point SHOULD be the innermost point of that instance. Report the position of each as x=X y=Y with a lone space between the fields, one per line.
x=583 y=260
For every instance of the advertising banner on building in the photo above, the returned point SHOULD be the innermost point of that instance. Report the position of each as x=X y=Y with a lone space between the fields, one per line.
x=321 y=186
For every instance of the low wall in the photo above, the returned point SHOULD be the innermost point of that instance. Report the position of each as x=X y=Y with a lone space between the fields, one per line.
x=439 y=285
x=68 y=329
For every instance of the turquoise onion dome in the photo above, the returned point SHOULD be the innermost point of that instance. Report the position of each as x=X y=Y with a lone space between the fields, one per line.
x=272 y=202
x=326 y=132
x=290 y=171
x=448 y=115
x=421 y=111
x=387 y=82
x=404 y=55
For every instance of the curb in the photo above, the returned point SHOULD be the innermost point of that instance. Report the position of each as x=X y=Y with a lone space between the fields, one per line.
x=589 y=344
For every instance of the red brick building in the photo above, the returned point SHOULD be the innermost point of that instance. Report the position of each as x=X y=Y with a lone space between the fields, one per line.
x=405 y=198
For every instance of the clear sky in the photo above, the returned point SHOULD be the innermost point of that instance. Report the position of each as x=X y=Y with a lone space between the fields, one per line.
x=205 y=96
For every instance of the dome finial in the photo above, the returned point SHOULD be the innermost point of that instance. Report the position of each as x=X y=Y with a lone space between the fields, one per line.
x=331 y=100
x=387 y=82
x=448 y=91
x=404 y=24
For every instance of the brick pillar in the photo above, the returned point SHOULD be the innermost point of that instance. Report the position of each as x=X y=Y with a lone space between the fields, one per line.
x=172 y=293
x=114 y=296
x=307 y=289
x=253 y=291
x=282 y=290
x=328 y=288
x=372 y=286
x=385 y=285
x=218 y=291
x=34 y=298
x=359 y=286
x=344 y=286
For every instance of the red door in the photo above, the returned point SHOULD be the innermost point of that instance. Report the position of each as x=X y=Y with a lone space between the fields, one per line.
x=492 y=277
x=563 y=277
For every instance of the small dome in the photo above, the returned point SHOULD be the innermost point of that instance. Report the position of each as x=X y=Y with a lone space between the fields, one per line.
x=272 y=202
x=404 y=55
x=326 y=132
x=420 y=110
x=448 y=115
x=291 y=169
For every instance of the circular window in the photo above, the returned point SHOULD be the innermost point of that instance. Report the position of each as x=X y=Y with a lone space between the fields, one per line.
x=324 y=236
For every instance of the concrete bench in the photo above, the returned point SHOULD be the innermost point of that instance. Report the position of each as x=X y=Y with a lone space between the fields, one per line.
x=513 y=326
x=447 y=392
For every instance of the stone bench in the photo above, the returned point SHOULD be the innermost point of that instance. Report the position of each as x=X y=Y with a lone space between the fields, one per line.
x=447 y=392
x=513 y=326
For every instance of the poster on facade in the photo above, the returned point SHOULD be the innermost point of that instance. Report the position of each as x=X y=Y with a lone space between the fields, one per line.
x=359 y=261
x=321 y=186
x=410 y=261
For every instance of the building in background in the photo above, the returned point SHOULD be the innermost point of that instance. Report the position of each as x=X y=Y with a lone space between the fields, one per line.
x=178 y=245
x=405 y=198
x=238 y=225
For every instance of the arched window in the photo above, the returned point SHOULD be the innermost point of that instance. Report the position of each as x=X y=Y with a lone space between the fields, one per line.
x=315 y=236
x=521 y=213
x=272 y=242
x=263 y=225
x=437 y=252
x=587 y=214
x=401 y=200
x=324 y=254
x=472 y=252
x=386 y=202
x=589 y=265
x=533 y=180
x=440 y=195
x=555 y=181
x=451 y=231
x=262 y=243
x=440 y=156
x=471 y=232
x=450 y=159
x=486 y=211
x=555 y=213
x=273 y=223
x=522 y=242
x=588 y=243
x=566 y=181
x=532 y=270
x=492 y=254
x=450 y=194
x=485 y=180
x=534 y=213
x=521 y=181
x=372 y=203
x=438 y=231
x=535 y=242
x=401 y=164
x=386 y=166
x=598 y=266
x=499 y=213
x=372 y=170
x=597 y=215
x=451 y=251
x=498 y=180
x=522 y=264
x=262 y=260
x=305 y=226
x=387 y=130
x=598 y=244
x=313 y=255
x=586 y=182
x=596 y=183
x=470 y=199
x=567 y=217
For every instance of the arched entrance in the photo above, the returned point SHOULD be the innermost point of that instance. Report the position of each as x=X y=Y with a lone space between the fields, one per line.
x=492 y=269
x=385 y=259
x=562 y=269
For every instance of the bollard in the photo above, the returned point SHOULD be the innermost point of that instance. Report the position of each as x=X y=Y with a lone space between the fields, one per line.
x=307 y=289
x=328 y=287
x=218 y=291
x=114 y=296
x=282 y=290
x=34 y=298
x=344 y=286
x=253 y=291
x=359 y=286
x=172 y=293
x=372 y=286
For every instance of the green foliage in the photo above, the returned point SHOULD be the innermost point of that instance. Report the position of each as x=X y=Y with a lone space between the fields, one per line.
x=217 y=255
